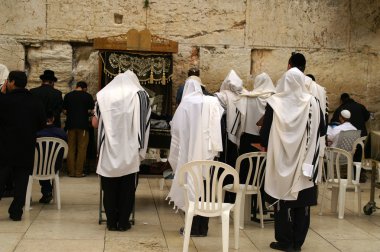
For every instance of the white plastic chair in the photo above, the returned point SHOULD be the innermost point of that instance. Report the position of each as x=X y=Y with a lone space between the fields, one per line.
x=252 y=184
x=203 y=182
x=45 y=157
x=358 y=165
x=339 y=185
x=347 y=138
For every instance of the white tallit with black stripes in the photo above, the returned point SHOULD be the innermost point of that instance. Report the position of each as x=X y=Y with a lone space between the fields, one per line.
x=196 y=135
x=123 y=112
x=228 y=95
x=293 y=145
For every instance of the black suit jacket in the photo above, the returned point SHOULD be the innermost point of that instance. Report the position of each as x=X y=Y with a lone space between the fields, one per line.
x=21 y=116
x=52 y=100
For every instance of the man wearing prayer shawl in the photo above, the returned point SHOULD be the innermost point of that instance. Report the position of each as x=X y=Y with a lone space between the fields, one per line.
x=292 y=125
x=196 y=135
x=228 y=95
x=122 y=115
x=251 y=106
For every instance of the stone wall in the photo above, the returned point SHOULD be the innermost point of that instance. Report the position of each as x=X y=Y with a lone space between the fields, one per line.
x=340 y=39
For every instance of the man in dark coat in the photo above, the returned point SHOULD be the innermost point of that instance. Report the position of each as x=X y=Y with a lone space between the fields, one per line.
x=50 y=97
x=21 y=116
x=359 y=113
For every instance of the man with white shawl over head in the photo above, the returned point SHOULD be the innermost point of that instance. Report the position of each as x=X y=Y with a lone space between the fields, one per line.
x=228 y=95
x=122 y=115
x=251 y=106
x=293 y=123
x=196 y=135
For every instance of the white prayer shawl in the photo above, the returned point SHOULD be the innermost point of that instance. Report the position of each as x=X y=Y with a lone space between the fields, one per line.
x=333 y=132
x=252 y=104
x=319 y=92
x=228 y=96
x=294 y=138
x=195 y=135
x=121 y=151
x=3 y=74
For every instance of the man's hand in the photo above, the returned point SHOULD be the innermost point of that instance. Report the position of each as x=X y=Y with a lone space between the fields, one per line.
x=4 y=87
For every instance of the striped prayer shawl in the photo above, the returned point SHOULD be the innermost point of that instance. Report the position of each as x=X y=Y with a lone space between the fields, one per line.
x=144 y=116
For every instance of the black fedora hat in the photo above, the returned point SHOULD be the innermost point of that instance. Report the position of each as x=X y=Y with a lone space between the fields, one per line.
x=48 y=75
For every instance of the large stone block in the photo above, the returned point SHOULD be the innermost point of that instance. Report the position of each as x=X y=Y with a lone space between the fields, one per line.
x=86 y=68
x=215 y=22
x=84 y=19
x=365 y=31
x=56 y=56
x=216 y=62
x=12 y=54
x=25 y=19
x=303 y=23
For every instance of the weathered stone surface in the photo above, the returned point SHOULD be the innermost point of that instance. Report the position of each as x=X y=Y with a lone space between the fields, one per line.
x=12 y=53
x=373 y=90
x=332 y=69
x=23 y=18
x=216 y=62
x=202 y=22
x=217 y=22
x=86 y=68
x=55 y=56
x=366 y=25
x=80 y=20
x=303 y=23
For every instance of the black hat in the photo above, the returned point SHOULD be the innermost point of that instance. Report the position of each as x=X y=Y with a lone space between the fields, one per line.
x=48 y=75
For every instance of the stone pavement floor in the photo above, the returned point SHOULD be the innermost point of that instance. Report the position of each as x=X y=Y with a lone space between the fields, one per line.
x=75 y=227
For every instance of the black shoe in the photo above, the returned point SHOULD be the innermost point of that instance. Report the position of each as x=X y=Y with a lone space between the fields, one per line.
x=112 y=228
x=296 y=248
x=46 y=199
x=14 y=217
x=123 y=229
x=278 y=246
x=192 y=234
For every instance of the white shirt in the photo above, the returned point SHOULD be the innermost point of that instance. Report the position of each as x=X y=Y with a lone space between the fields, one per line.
x=333 y=132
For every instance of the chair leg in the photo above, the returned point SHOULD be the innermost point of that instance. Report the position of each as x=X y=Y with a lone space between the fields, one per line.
x=188 y=221
x=244 y=209
x=323 y=197
x=358 y=168
x=237 y=217
x=334 y=198
x=28 y=196
x=225 y=229
x=57 y=192
x=260 y=209
x=342 y=200
x=358 y=189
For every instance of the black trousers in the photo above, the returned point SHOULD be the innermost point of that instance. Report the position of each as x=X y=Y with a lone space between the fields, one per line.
x=291 y=225
x=20 y=175
x=119 y=199
x=199 y=225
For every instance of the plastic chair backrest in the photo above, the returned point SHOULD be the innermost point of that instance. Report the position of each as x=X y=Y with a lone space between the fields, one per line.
x=334 y=164
x=347 y=138
x=46 y=155
x=205 y=180
x=359 y=142
x=255 y=176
